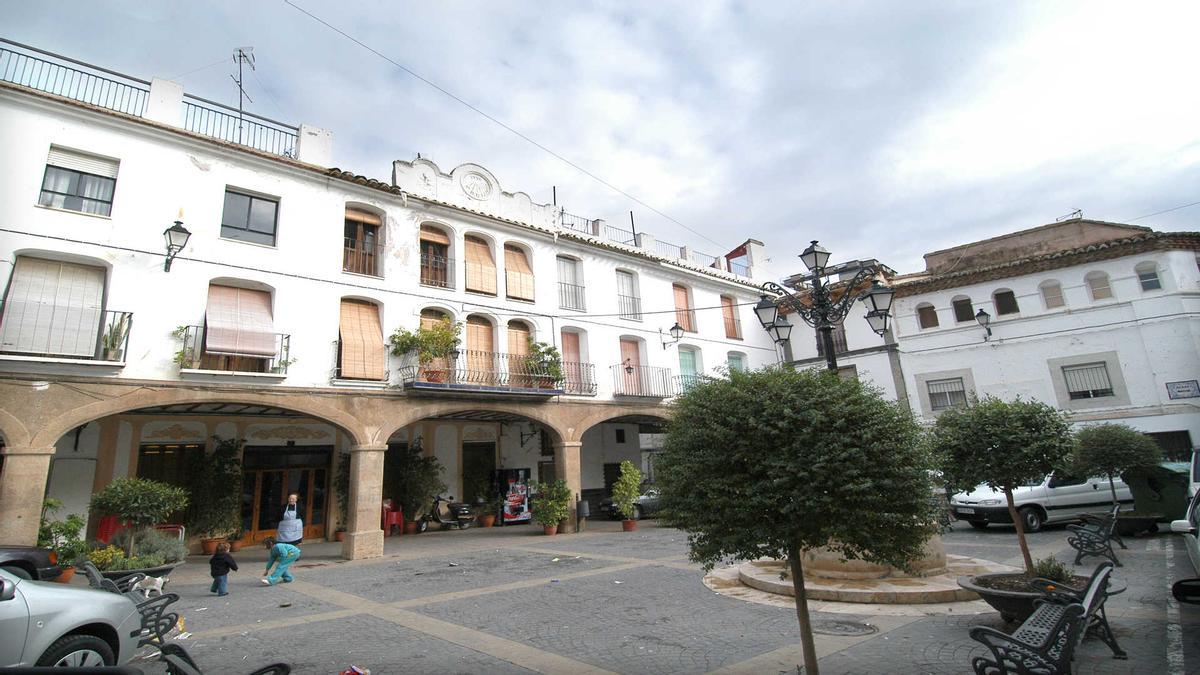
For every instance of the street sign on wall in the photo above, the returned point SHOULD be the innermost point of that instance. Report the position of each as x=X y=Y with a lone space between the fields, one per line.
x=1184 y=389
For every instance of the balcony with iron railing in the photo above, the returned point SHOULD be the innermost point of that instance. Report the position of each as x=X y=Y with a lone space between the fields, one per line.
x=363 y=257
x=668 y=250
x=642 y=381
x=351 y=370
x=576 y=223
x=37 y=332
x=69 y=78
x=740 y=269
x=618 y=235
x=686 y=318
x=629 y=307
x=193 y=357
x=571 y=296
x=437 y=271
x=481 y=372
x=685 y=382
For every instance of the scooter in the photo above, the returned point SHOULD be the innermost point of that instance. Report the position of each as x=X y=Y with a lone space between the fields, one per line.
x=449 y=514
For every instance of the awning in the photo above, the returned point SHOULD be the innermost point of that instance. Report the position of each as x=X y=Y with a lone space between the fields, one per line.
x=434 y=236
x=356 y=216
x=239 y=322
x=362 y=341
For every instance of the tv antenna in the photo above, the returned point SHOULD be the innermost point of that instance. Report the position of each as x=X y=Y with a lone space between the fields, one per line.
x=243 y=55
x=1074 y=215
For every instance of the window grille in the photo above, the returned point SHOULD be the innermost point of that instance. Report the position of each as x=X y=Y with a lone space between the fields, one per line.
x=945 y=394
x=1087 y=381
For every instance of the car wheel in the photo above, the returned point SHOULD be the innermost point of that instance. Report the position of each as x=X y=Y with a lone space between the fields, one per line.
x=1031 y=518
x=979 y=524
x=78 y=651
x=18 y=572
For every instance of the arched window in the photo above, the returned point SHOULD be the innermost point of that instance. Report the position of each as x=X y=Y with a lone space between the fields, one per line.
x=629 y=302
x=578 y=377
x=736 y=361
x=518 y=273
x=438 y=368
x=522 y=372
x=239 y=332
x=729 y=312
x=437 y=269
x=361 y=355
x=363 y=245
x=963 y=310
x=481 y=348
x=1147 y=274
x=1052 y=295
x=1005 y=302
x=685 y=316
x=480 y=265
x=927 y=315
x=1098 y=286
x=689 y=367
x=431 y=316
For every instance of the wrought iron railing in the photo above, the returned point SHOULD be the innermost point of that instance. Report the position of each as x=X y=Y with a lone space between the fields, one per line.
x=579 y=378
x=616 y=234
x=668 y=249
x=228 y=124
x=473 y=370
x=705 y=260
x=576 y=223
x=64 y=332
x=361 y=257
x=571 y=296
x=642 y=381
x=685 y=382
x=518 y=285
x=46 y=71
x=686 y=318
x=629 y=307
x=733 y=327
x=192 y=356
x=740 y=269
x=339 y=372
x=437 y=271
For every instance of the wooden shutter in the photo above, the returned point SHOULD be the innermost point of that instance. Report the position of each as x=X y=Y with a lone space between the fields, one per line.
x=518 y=274
x=53 y=308
x=479 y=334
x=683 y=313
x=518 y=338
x=239 y=322
x=631 y=382
x=729 y=313
x=434 y=235
x=570 y=347
x=364 y=217
x=481 y=268
x=362 y=341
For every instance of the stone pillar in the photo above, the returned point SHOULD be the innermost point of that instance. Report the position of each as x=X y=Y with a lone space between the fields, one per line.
x=364 y=536
x=22 y=489
x=567 y=467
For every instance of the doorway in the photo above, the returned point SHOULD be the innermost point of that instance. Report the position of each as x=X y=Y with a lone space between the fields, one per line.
x=478 y=470
x=270 y=474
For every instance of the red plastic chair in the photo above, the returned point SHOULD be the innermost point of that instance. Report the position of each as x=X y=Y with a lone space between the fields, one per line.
x=391 y=516
x=107 y=528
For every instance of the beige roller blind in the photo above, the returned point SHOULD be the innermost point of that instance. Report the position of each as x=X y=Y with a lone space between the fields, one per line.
x=518 y=273
x=238 y=322
x=481 y=267
x=53 y=308
x=518 y=338
x=80 y=161
x=570 y=347
x=433 y=235
x=362 y=341
x=479 y=334
x=432 y=317
x=364 y=217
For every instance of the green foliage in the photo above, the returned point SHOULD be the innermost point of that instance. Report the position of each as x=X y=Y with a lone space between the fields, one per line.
x=150 y=543
x=61 y=536
x=1113 y=450
x=775 y=460
x=1054 y=570
x=543 y=358
x=627 y=489
x=552 y=503
x=114 y=336
x=139 y=501
x=435 y=342
x=111 y=558
x=215 y=483
x=411 y=479
x=341 y=483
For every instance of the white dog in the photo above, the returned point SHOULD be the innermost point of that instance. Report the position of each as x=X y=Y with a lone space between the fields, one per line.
x=151 y=585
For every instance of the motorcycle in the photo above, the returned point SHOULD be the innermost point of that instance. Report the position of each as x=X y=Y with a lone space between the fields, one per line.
x=449 y=514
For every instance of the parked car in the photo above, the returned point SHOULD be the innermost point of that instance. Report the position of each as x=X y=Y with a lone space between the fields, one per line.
x=1190 y=529
x=43 y=624
x=30 y=562
x=646 y=505
x=1056 y=498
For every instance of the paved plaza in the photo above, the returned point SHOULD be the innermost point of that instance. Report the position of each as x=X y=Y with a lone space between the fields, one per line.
x=511 y=600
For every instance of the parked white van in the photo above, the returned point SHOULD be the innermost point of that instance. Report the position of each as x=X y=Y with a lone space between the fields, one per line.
x=1056 y=498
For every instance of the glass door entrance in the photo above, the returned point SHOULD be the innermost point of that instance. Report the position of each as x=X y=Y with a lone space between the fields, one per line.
x=270 y=475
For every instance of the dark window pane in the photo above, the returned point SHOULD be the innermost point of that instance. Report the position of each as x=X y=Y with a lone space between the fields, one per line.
x=237 y=207
x=262 y=216
x=1006 y=303
x=963 y=311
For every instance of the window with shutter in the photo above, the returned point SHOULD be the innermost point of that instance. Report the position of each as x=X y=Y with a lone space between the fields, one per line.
x=733 y=326
x=628 y=303
x=1052 y=295
x=684 y=316
x=77 y=181
x=480 y=266
x=518 y=273
x=436 y=267
x=361 y=355
x=53 y=308
x=362 y=254
x=1089 y=380
x=944 y=394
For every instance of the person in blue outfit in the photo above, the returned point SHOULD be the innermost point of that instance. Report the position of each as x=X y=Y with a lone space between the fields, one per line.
x=291 y=527
x=282 y=556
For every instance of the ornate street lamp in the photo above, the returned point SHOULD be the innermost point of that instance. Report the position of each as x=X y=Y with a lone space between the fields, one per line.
x=177 y=237
x=676 y=333
x=984 y=319
x=818 y=308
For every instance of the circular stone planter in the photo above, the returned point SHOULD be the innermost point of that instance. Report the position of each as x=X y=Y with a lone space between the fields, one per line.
x=1013 y=606
x=148 y=571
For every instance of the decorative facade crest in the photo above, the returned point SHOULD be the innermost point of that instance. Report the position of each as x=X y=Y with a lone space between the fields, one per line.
x=175 y=432
x=290 y=432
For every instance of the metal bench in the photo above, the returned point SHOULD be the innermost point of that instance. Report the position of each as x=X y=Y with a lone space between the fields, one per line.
x=179 y=662
x=1046 y=642
x=1095 y=537
x=156 y=621
x=95 y=579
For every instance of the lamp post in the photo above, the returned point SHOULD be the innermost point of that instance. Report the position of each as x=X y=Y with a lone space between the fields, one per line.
x=676 y=333
x=818 y=308
x=176 y=237
x=984 y=320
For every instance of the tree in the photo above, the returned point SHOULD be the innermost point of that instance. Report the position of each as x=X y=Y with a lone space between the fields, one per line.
x=139 y=502
x=213 y=481
x=411 y=478
x=1004 y=445
x=1112 y=450
x=774 y=462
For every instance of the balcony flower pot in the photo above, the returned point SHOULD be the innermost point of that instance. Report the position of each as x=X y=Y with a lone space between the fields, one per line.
x=550 y=530
x=235 y=544
x=435 y=375
x=628 y=525
x=1009 y=593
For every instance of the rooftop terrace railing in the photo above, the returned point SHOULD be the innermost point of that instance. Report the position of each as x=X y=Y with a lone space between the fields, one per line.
x=575 y=223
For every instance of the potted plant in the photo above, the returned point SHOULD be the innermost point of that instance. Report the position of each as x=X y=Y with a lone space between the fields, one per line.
x=142 y=503
x=495 y=506
x=625 y=493
x=235 y=539
x=544 y=364
x=552 y=505
x=429 y=343
x=1003 y=445
x=62 y=537
x=341 y=485
x=113 y=340
x=1114 y=450
x=213 y=478
x=413 y=480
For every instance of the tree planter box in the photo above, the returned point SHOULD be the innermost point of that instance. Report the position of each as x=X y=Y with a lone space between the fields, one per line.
x=1014 y=606
x=149 y=571
x=1128 y=526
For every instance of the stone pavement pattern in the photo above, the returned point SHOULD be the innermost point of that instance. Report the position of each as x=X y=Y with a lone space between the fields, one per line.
x=497 y=601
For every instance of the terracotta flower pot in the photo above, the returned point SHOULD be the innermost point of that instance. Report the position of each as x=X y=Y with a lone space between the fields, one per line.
x=550 y=530
x=487 y=520
x=412 y=527
x=235 y=545
x=68 y=573
x=209 y=546
x=628 y=525
x=340 y=535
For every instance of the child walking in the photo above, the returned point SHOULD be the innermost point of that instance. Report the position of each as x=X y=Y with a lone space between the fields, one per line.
x=219 y=565
x=284 y=555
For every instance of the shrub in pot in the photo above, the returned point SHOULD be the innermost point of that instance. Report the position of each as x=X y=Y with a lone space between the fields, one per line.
x=140 y=502
x=544 y=364
x=62 y=537
x=429 y=344
x=214 y=481
x=625 y=493
x=552 y=505
x=412 y=479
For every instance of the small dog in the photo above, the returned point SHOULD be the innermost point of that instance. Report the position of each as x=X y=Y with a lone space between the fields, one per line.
x=151 y=585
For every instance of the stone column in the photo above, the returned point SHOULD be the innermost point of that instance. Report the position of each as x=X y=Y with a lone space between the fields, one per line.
x=364 y=537
x=567 y=467
x=22 y=488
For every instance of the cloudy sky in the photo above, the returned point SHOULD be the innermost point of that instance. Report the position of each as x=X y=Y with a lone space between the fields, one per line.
x=884 y=129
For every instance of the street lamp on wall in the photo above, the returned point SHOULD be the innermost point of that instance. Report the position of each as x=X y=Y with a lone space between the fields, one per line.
x=177 y=237
x=676 y=333
x=984 y=320
x=819 y=308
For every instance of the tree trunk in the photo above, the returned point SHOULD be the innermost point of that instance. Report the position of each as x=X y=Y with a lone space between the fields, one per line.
x=1113 y=489
x=806 y=636
x=1016 y=518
